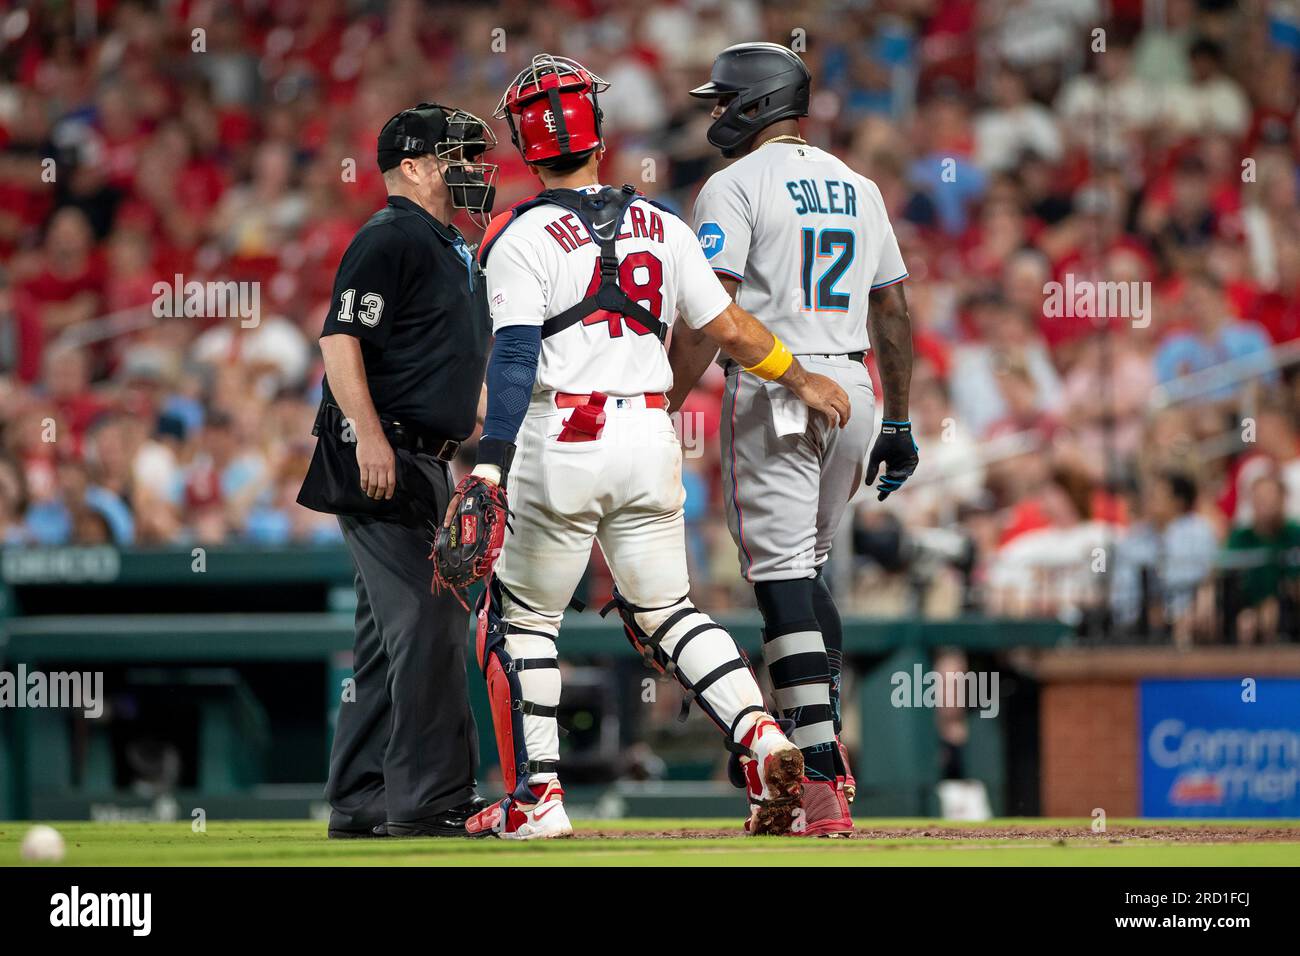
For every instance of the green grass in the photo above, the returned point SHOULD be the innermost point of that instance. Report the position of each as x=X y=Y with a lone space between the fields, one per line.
x=278 y=843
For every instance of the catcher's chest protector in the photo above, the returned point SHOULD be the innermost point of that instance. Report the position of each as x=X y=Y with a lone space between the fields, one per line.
x=602 y=214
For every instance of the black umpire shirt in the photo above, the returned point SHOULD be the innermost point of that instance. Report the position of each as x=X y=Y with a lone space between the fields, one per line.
x=410 y=289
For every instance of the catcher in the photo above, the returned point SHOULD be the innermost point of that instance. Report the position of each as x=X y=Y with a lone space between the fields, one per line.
x=583 y=281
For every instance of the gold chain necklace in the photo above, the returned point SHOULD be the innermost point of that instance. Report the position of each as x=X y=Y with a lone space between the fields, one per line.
x=785 y=138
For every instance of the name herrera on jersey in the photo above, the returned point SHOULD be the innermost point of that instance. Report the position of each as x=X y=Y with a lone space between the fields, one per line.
x=841 y=197
x=640 y=224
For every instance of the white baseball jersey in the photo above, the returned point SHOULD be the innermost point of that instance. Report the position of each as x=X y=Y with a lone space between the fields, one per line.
x=807 y=237
x=545 y=262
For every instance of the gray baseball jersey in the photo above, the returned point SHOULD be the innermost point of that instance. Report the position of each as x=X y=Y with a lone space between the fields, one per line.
x=786 y=481
x=807 y=236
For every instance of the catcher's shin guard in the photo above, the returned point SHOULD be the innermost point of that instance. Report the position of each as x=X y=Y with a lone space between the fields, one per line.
x=522 y=673
x=684 y=642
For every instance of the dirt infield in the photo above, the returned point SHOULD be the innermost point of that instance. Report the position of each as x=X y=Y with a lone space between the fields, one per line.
x=880 y=842
x=1115 y=833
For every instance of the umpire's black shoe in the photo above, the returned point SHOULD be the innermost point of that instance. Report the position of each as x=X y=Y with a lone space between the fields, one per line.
x=378 y=830
x=448 y=823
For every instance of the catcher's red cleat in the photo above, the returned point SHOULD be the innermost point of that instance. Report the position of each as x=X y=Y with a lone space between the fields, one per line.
x=825 y=809
x=850 y=785
x=544 y=820
x=773 y=778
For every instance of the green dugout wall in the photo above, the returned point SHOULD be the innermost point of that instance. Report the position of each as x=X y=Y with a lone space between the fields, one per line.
x=227 y=631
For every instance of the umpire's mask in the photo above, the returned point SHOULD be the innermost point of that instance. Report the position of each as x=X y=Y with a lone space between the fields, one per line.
x=457 y=139
x=472 y=182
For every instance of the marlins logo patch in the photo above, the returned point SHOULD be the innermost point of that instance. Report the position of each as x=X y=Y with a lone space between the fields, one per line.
x=712 y=238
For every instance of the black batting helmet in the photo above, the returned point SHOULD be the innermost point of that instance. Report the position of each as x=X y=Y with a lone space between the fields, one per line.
x=767 y=83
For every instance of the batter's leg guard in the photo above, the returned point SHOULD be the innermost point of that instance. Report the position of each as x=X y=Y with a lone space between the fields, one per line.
x=796 y=660
x=828 y=619
x=682 y=641
x=519 y=663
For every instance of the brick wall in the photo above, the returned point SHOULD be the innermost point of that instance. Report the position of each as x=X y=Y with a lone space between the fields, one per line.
x=1088 y=714
x=1089 y=748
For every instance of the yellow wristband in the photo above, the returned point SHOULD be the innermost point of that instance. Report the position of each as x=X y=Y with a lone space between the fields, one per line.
x=775 y=365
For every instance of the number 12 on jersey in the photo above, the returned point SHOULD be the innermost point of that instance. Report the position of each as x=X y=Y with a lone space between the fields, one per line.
x=825 y=244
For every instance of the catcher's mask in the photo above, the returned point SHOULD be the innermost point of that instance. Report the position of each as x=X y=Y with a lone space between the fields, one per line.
x=457 y=139
x=760 y=84
x=552 y=110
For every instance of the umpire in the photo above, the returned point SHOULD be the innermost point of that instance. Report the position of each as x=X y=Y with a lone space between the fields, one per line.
x=405 y=346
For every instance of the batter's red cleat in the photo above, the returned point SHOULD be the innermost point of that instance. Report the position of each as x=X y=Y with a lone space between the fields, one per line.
x=773 y=778
x=850 y=785
x=825 y=810
x=544 y=820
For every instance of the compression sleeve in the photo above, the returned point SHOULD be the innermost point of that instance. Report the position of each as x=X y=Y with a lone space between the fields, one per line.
x=510 y=376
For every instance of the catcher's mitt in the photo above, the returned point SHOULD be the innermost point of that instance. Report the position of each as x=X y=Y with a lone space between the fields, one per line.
x=466 y=547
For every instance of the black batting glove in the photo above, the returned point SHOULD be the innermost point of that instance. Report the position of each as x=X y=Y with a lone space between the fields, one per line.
x=896 y=449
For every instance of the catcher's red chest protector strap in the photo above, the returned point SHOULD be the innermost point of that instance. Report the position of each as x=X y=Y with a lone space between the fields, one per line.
x=602 y=215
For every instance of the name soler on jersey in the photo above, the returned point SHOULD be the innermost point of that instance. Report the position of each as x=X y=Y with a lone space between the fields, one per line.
x=841 y=198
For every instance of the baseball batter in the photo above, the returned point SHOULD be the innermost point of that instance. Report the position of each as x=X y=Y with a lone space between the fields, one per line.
x=583 y=281
x=804 y=243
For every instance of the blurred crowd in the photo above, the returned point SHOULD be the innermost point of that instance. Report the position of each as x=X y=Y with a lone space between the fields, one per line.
x=1136 y=470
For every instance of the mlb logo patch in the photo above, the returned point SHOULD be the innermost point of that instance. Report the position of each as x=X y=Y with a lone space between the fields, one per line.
x=712 y=238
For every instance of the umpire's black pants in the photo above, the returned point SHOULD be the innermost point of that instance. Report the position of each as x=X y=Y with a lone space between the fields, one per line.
x=405 y=748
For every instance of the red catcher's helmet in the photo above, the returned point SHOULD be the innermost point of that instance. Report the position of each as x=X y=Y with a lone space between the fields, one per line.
x=551 y=109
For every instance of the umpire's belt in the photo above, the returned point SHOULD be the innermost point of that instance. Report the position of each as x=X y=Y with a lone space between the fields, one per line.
x=411 y=438
x=333 y=480
x=404 y=436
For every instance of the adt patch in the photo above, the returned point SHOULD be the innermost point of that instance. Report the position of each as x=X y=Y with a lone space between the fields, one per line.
x=712 y=239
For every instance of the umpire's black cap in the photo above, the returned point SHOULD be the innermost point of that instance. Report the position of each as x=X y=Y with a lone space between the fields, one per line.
x=413 y=132
x=456 y=137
